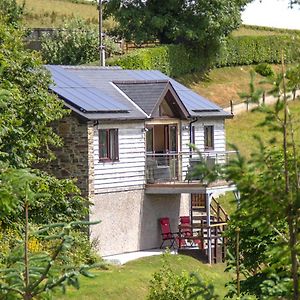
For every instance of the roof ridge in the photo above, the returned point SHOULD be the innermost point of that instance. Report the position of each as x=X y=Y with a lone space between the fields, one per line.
x=91 y=67
x=144 y=81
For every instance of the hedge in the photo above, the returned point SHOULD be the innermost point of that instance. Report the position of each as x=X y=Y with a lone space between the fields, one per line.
x=246 y=50
x=176 y=60
x=172 y=60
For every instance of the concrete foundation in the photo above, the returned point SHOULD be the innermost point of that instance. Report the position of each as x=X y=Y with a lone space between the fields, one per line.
x=130 y=220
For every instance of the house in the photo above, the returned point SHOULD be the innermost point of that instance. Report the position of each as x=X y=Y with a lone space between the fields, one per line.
x=127 y=142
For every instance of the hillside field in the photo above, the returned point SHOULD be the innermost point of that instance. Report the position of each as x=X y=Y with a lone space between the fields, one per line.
x=53 y=13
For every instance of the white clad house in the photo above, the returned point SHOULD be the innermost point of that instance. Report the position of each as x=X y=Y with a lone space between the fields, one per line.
x=127 y=141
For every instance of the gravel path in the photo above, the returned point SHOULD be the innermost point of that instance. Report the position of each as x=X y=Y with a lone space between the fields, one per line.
x=242 y=107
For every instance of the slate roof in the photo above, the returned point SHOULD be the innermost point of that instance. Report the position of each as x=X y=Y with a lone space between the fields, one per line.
x=113 y=93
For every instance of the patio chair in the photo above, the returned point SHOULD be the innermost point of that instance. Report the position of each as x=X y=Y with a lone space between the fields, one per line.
x=186 y=231
x=166 y=233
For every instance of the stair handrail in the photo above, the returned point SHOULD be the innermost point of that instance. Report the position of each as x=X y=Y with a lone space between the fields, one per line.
x=218 y=210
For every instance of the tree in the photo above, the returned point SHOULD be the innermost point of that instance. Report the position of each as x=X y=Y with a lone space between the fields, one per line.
x=30 y=273
x=30 y=197
x=268 y=214
x=200 y=22
x=28 y=108
x=293 y=75
x=11 y=11
x=254 y=94
x=76 y=42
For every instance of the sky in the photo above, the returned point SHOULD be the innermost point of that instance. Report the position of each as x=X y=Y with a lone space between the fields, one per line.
x=272 y=13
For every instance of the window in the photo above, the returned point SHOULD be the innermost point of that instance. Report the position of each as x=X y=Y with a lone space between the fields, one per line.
x=208 y=137
x=108 y=144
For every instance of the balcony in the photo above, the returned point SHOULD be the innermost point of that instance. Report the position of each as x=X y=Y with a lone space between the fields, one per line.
x=173 y=173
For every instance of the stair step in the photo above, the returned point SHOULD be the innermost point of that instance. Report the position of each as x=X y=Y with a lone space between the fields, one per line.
x=195 y=208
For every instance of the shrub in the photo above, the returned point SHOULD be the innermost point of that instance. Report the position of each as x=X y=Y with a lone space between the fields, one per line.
x=168 y=285
x=264 y=69
x=176 y=60
x=75 y=43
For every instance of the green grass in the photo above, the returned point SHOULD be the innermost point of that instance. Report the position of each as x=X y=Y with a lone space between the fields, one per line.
x=262 y=30
x=53 y=13
x=222 y=84
x=131 y=281
x=240 y=129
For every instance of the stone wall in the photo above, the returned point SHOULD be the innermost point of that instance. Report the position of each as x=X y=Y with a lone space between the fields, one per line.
x=75 y=157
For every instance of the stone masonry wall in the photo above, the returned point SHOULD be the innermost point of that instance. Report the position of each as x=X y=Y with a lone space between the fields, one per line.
x=75 y=157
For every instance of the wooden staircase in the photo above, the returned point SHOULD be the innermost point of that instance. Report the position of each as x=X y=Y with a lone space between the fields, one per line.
x=214 y=232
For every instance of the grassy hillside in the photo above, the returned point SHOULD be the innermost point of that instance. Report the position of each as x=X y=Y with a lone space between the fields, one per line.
x=52 y=13
x=240 y=130
x=262 y=30
x=223 y=84
x=131 y=281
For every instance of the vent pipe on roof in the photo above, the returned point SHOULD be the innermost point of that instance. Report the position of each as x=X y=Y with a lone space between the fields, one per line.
x=101 y=35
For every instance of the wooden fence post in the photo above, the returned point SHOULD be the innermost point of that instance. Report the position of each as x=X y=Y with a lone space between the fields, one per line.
x=238 y=289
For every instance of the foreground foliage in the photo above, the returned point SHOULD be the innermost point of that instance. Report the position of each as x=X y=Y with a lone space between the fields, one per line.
x=34 y=258
x=268 y=215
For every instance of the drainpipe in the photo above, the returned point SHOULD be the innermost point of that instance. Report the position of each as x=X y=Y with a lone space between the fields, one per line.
x=190 y=128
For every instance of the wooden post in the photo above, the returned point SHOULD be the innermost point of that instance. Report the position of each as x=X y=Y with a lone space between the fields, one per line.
x=209 y=248
x=26 y=259
x=238 y=289
x=231 y=107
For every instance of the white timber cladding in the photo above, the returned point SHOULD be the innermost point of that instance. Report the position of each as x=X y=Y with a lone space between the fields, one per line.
x=128 y=173
x=219 y=138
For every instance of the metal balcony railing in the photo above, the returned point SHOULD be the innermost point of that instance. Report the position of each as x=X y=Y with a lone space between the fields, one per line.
x=172 y=167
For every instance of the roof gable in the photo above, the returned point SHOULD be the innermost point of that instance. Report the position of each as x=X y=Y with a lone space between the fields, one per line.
x=149 y=95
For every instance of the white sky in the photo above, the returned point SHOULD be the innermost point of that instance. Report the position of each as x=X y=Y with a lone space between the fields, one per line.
x=272 y=13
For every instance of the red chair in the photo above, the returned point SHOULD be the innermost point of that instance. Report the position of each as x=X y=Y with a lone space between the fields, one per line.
x=166 y=233
x=186 y=231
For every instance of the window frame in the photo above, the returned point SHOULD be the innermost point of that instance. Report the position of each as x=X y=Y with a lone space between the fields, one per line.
x=209 y=130
x=111 y=136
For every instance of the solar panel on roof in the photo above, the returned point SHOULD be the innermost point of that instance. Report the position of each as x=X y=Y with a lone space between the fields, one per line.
x=82 y=95
x=91 y=90
x=64 y=79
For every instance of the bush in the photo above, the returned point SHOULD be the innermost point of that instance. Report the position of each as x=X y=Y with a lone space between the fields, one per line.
x=264 y=69
x=168 y=285
x=8 y=238
x=76 y=42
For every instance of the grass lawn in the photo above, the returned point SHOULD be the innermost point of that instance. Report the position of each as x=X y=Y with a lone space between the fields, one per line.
x=222 y=84
x=240 y=129
x=131 y=280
